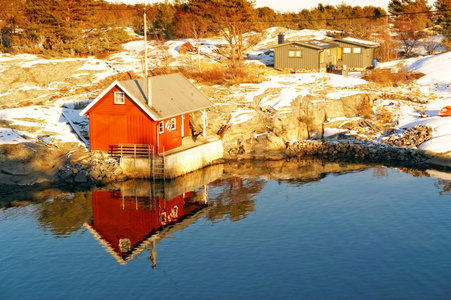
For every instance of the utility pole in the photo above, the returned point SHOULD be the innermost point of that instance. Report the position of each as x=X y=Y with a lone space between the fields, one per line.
x=145 y=45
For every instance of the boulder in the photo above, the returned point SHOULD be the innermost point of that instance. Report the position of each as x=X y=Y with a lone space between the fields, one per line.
x=81 y=177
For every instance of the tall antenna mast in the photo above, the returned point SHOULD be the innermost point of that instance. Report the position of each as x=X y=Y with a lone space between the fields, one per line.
x=145 y=45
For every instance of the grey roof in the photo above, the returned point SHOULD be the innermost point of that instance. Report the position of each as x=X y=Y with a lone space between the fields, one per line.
x=315 y=44
x=358 y=42
x=171 y=95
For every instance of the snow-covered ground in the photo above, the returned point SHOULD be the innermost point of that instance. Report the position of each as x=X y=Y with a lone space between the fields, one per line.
x=437 y=79
x=49 y=120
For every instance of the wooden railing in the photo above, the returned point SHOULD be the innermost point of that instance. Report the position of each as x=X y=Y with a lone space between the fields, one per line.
x=131 y=150
x=156 y=162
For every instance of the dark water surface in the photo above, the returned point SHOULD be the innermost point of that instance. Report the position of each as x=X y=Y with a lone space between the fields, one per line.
x=369 y=234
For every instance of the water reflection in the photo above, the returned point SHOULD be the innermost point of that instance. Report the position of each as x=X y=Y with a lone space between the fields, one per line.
x=132 y=217
x=127 y=224
x=444 y=182
x=138 y=214
x=330 y=235
x=235 y=199
x=65 y=213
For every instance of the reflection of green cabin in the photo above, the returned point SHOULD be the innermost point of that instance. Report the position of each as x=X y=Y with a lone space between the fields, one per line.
x=317 y=55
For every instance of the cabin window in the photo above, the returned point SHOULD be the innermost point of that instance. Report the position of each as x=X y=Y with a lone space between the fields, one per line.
x=170 y=125
x=357 y=50
x=119 y=98
x=173 y=124
x=346 y=50
x=294 y=53
x=161 y=127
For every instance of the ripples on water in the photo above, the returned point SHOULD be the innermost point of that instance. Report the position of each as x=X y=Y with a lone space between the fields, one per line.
x=375 y=233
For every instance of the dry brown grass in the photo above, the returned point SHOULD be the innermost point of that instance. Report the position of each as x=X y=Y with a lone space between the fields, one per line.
x=387 y=77
x=365 y=110
x=384 y=117
x=212 y=74
x=109 y=80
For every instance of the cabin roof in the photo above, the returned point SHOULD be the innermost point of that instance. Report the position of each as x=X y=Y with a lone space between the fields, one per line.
x=315 y=44
x=171 y=95
x=358 y=42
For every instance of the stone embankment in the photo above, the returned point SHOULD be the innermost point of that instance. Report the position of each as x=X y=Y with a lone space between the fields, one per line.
x=357 y=150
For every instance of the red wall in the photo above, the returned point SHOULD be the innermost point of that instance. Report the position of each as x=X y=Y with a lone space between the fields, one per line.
x=113 y=124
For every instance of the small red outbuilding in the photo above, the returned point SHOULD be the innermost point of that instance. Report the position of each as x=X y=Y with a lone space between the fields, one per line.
x=148 y=111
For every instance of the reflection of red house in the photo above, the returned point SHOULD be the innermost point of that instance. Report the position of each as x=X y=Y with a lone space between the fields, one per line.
x=124 y=223
x=153 y=111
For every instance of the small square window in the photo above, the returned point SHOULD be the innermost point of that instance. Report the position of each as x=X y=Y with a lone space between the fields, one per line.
x=119 y=98
x=357 y=50
x=346 y=50
x=173 y=127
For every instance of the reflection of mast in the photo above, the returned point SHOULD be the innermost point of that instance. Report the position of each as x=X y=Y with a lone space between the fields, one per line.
x=153 y=254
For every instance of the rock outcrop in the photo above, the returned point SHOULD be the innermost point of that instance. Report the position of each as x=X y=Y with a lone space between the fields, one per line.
x=68 y=163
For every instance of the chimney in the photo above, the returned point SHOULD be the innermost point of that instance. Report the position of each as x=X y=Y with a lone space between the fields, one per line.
x=281 y=38
x=149 y=91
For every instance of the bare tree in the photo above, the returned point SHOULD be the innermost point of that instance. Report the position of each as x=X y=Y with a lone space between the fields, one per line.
x=431 y=44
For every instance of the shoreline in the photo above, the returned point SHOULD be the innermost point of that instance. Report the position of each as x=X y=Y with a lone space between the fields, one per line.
x=83 y=170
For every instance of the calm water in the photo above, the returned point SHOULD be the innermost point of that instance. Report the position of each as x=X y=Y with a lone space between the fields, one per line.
x=369 y=234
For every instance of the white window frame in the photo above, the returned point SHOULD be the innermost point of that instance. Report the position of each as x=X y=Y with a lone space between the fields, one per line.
x=119 y=98
x=161 y=127
x=173 y=124
x=294 y=53
x=357 y=50
x=170 y=125
x=347 y=50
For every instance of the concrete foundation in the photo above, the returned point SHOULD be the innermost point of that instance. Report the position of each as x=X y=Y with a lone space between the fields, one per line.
x=176 y=163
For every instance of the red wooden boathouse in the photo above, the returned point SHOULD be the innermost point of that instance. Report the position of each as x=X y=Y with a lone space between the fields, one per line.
x=148 y=111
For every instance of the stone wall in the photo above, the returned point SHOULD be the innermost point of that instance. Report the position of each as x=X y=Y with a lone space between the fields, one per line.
x=357 y=150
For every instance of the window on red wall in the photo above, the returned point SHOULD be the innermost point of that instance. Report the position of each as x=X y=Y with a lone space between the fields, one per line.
x=119 y=98
x=173 y=124
x=161 y=126
x=170 y=125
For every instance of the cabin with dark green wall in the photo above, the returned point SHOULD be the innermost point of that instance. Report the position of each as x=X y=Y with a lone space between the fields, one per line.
x=319 y=55
x=356 y=53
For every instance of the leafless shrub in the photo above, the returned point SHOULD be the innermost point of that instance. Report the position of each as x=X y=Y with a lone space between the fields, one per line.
x=388 y=77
